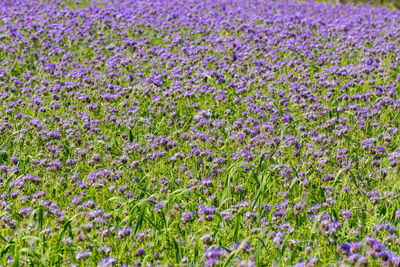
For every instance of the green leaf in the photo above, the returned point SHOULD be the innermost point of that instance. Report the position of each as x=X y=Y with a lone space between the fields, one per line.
x=237 y=227
x=236 y=251
x=16 y=259
x=130 y=135
x=177 y=252
x=141 y=217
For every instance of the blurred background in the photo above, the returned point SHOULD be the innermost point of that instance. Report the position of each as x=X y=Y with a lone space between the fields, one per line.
x=392 y=4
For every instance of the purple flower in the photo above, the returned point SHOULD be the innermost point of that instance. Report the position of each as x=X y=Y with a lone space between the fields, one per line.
x=159 y=206
x=124 y=232
x=140 y=252
x=186 y=217
x=107 y=262
x=82 y=255
x=212 y=256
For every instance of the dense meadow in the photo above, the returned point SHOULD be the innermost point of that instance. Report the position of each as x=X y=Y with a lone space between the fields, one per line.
x=199 y=133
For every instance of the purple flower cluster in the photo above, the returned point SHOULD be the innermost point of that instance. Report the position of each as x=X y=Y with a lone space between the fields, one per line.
x=210 y=132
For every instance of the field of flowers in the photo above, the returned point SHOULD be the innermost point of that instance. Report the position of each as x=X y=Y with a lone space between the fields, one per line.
x=199 y=133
